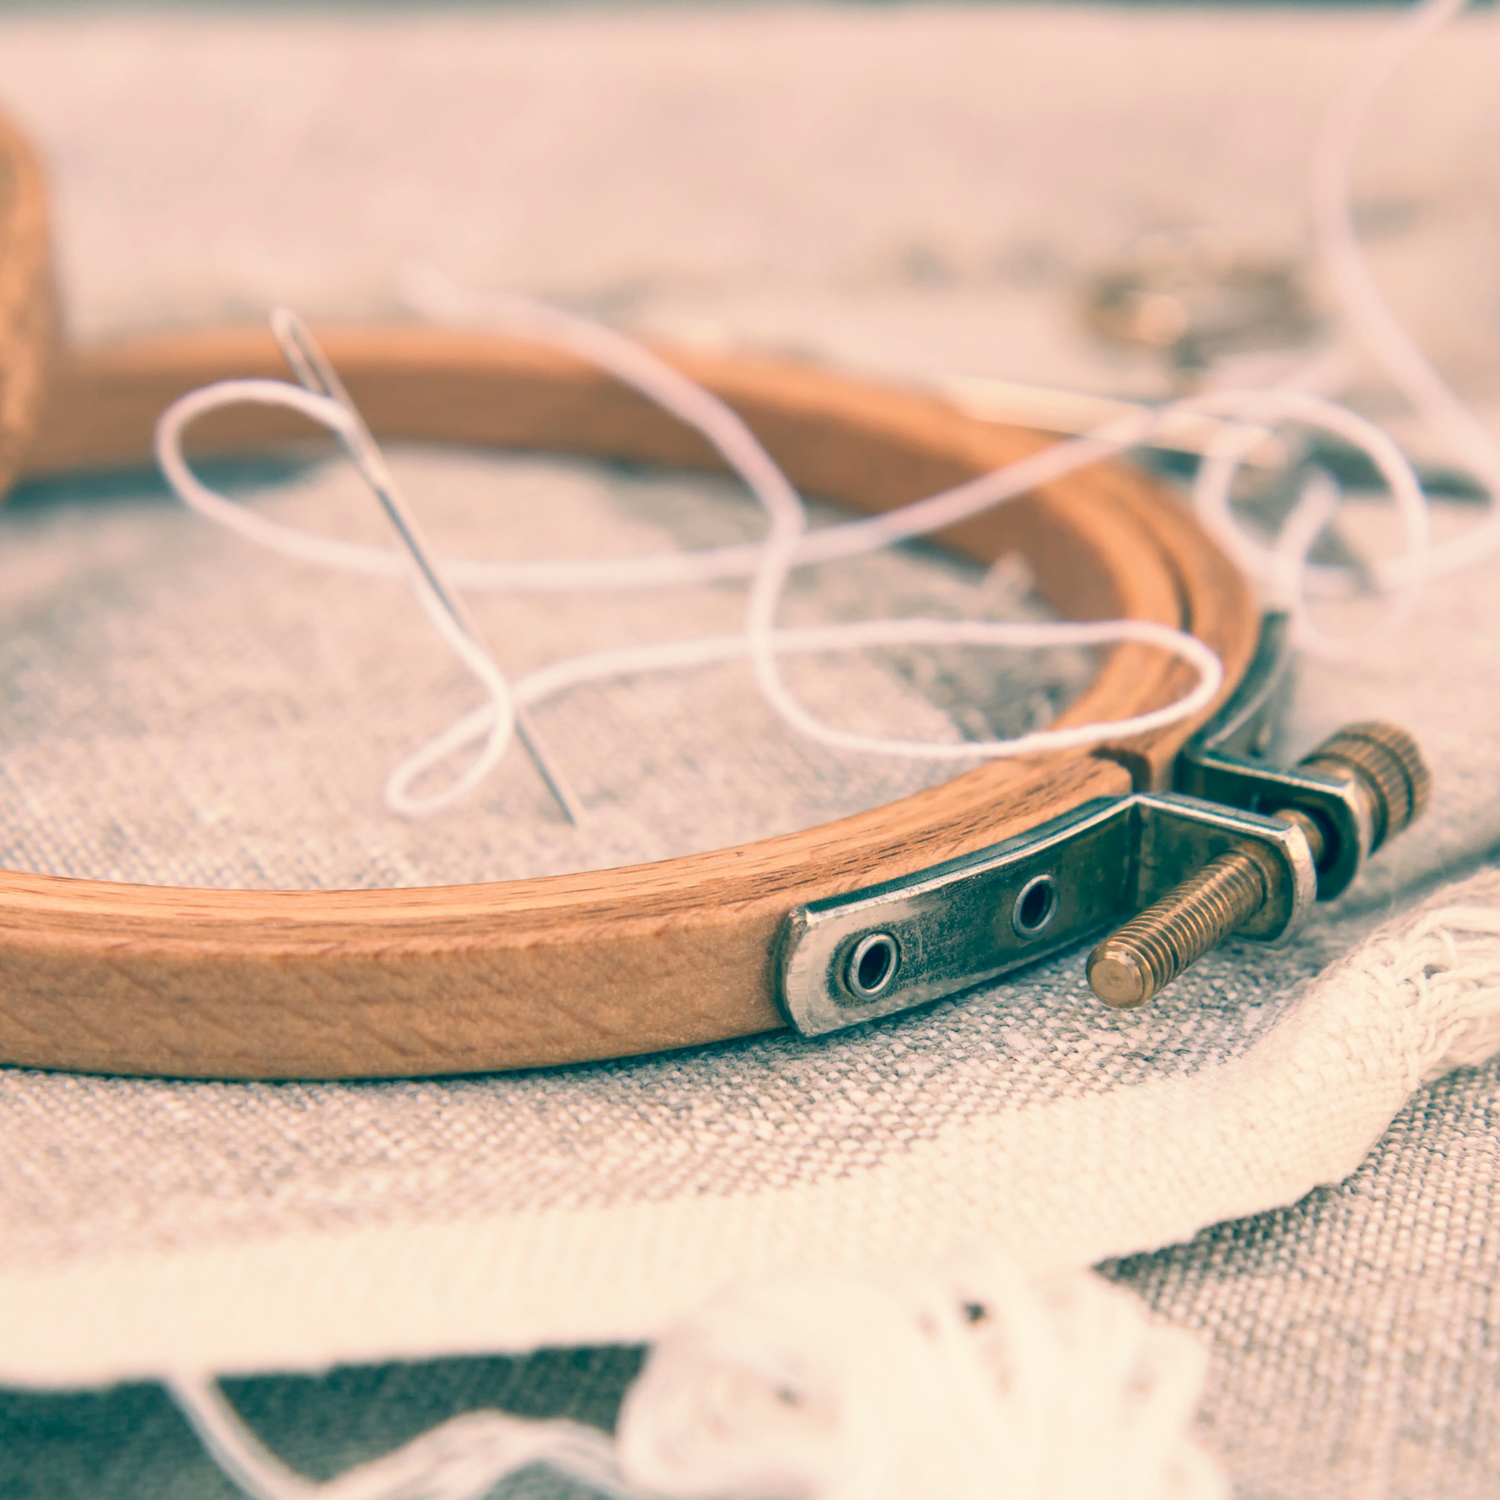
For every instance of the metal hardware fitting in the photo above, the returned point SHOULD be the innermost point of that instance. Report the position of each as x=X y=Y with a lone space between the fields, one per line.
x=852 y=958
x=1243 y=846
x=1360 y=787
x=1378 y=763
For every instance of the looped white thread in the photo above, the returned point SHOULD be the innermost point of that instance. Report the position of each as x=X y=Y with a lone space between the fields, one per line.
x=967 y=1383
x=499 y=721
x=1366 y=308
x=1284 y=567
x=789 y=545
x=1370 y=317
x=772 y=561
x=963 y=1384
x=461 y=1459
x=439 y=299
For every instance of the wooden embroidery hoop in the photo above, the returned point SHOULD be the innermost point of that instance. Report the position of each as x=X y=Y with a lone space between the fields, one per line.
x=331 y=984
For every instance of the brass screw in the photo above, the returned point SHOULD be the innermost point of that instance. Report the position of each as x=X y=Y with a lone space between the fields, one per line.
x=1152 y=949
x=1387 y=768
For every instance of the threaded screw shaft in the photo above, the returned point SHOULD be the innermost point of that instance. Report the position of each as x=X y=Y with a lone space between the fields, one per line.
x=1132 y=965
x=1152 y=949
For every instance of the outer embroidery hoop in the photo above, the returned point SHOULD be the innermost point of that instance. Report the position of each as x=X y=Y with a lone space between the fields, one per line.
x=28 y=308
x=260 y=984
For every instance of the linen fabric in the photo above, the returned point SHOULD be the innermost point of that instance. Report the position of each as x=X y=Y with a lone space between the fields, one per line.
x=176 y=708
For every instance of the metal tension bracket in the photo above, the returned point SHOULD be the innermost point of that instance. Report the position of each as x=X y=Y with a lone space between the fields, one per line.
x=1242 y=846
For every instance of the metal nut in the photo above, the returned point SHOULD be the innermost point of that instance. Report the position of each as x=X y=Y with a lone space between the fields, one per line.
x=1132 y=965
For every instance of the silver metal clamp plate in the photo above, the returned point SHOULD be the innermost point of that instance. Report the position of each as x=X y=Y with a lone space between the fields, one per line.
x=852 y=958
x=1226 y=762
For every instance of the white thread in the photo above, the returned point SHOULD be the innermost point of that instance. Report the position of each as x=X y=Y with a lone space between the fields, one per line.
x=440 y=300
x=966 y=1384
x=1284 y=567
x=461 y=1459
x=500 y=713
x=1366 y=308
x=788 y=545
x=957 y=1384
x=774 y=559
x=1371 y=318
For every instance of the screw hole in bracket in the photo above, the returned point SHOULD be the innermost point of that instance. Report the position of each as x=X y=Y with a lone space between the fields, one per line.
x=1035 y=906
x=873 y=965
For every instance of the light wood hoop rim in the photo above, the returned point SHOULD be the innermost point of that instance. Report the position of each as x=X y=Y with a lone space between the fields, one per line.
x=28 y=311
x=284 y=984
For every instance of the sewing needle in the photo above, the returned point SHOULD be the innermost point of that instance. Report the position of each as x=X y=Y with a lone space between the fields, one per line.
x=315 y=371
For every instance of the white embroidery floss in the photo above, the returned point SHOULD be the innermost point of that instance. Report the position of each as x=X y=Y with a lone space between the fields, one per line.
x=772 y=561
x=963 y=1383
x=958 y=1383
x=462 y=1459
x=316 y=372
x=1370 y=318
x=789 y=545
x=1283 y=568
x=339 y=419
x=1366 y=309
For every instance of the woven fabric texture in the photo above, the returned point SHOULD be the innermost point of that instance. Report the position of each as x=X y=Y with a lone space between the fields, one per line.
x=912 y=193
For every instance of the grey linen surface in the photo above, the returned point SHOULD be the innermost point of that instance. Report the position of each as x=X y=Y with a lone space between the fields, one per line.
x=911 y=192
